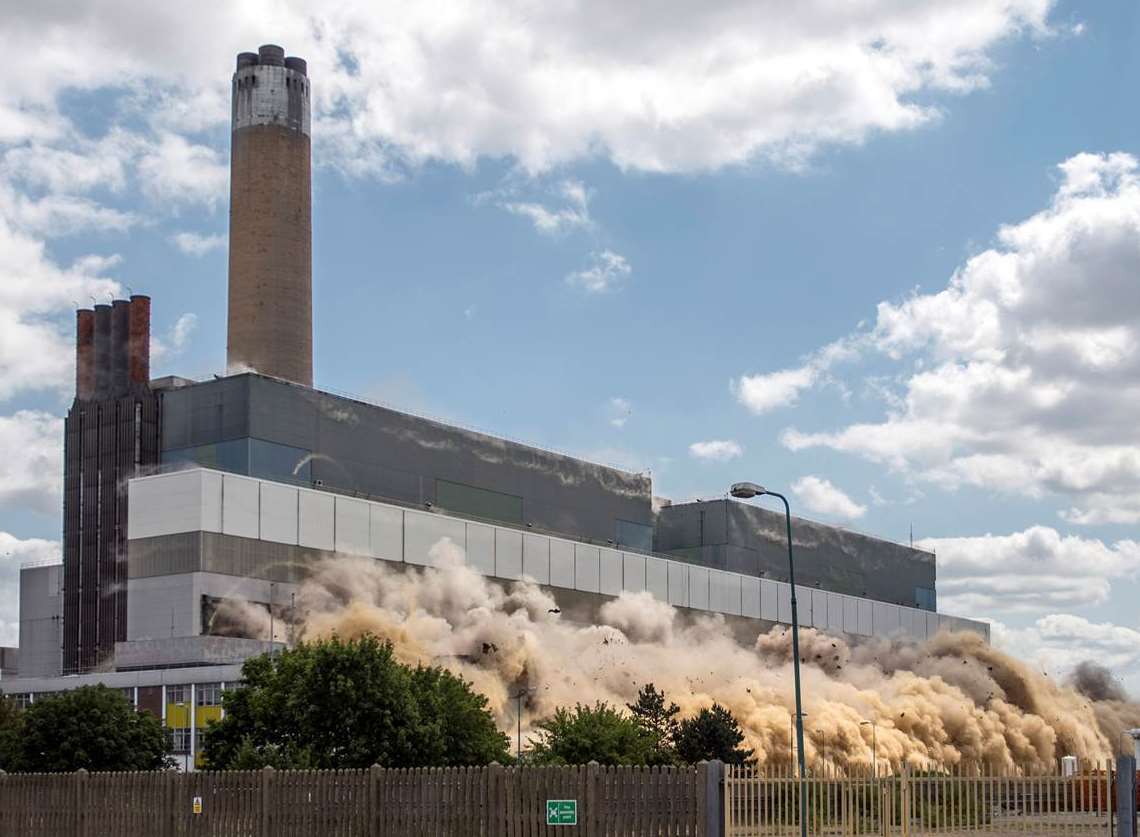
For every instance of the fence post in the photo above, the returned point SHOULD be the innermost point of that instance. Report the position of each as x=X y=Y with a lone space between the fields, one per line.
x=168 y=820
x=81 y=802
x=374 y=773
x=713 y=792
x=1126 y=796
x=266 y=801
x=493 y=776
x=904 y=799
x=592 y=818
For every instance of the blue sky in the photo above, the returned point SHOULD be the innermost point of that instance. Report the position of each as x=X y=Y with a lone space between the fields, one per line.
x=730 y=241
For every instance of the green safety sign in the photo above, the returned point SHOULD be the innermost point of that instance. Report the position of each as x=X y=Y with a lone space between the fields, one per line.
x=562 y=812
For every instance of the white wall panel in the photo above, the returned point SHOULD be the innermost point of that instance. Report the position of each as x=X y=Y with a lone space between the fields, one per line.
x=315 y=519
x=834 y=612
x=818 y=607
x=386 y=532
x=278 y=513
x=562 y=563
x=724 y=592
x=481 y=548
x=865 y=620
x=784 y=602
x=750 y=596
x=931 y=624
x=508 y=553
x=698 y=587
x=166 y=504
x=536 y=557
x=610 y=579
x=586 y=568
x=678 y=584
x=240 y=503
x=850 y=614
x=633 y=572
x=351 y=529
x=426 y=535
x=803 y=605
x=770 y=600
x=211 y=514
x=657 y=578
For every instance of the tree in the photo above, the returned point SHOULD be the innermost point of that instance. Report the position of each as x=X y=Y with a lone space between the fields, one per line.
x=11 y=721
x=659 y=721
x=711 y=734
x=343 y=704
x=92 y=727
x=599 y=733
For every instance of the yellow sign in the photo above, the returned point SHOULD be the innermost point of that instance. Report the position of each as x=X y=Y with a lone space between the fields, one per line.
x=197 y=804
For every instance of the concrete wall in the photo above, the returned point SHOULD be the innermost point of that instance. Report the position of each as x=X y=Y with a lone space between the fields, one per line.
x=374 y=451
x=40 y=620
x=743 y=538
x=250 y=521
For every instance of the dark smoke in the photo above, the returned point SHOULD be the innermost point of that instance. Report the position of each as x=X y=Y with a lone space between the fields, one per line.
x=1096 y=682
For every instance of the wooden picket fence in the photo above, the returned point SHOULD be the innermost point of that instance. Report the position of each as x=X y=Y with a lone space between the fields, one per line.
x=489 y=801
x=914 y=803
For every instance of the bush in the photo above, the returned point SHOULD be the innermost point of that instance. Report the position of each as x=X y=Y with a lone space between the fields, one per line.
x=599 y=733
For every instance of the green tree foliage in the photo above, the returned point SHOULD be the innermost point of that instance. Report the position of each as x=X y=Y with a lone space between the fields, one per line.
x=343 y=704
x=92 y=727
x=599 y=733
x=11 y=721
x=658 y=719
x=711 y=734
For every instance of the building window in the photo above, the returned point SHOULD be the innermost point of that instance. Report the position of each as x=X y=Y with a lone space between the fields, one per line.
x=180 y=739
x=129 y=693
x=281 y=463
x=478 y=502
x=634 y=535
x=925 y=598
x=178 y=694
x=21 y=699
x=209 y=694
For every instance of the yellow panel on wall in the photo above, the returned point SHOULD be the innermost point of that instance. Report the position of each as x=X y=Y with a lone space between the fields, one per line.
x=177 y=716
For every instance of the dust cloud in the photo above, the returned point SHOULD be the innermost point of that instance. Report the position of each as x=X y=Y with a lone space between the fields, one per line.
x=949 y=702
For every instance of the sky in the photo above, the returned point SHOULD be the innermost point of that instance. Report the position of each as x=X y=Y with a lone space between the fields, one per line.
x=881 y=256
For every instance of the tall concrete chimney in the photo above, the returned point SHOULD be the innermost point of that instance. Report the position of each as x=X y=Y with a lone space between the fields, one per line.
x=271 y=265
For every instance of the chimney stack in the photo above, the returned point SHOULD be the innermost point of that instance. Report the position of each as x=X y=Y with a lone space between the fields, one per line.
x=84 y=354
x=120 y=326
x=270 y=327
x=102 y=353
x=138 y=348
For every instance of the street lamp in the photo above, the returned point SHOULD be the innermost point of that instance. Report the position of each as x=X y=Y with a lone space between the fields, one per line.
x=746 y=491
x=874 y=745
x=518 y=696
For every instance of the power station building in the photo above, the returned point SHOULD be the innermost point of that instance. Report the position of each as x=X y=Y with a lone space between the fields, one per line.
x=180 y=494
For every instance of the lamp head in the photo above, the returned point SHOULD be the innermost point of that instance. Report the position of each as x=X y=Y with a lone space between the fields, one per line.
x=746 y=490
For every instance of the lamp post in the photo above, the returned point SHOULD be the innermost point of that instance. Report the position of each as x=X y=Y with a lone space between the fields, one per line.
x=518 y=696
x=746 y=491
x=874 y=745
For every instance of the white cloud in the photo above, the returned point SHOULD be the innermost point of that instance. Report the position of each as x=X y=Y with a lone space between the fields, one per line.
x=702 y=86
x=607 y=271
x=1023 y=374
x=1035 y=570
x=174 y=170
x=1059 y=641
x=762 y=393
x=31 y=470
x=821 y=497
x=574 y=213
x=619 y=411
x=13 y=553
x=196 y=244
x=716 y=450
x=175 y=340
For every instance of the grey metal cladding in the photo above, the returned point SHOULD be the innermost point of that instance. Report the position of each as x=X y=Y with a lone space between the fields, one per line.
x=376 y=451
x=827 y=557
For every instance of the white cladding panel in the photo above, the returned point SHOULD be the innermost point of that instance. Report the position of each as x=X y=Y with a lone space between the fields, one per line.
x=770 y=600
x=865 y=617
x=562 y=563
x=850 y=614
x=481 y=548
x=536 y=558
x=165 y=504
x=931 y=624
x=315 y=519
x=803 y=606
x=610 y=583
x=278 y=513
x=750 y=596
x=427 y=536
x=508 y=554
x=784 y=602
x=834 y=612
x=211 y=501
x=818 y=608
x=386 y=532
x=351 y=528
x=678 y=584
x=657 y=578
x=698 y=587
x=633 y=572
x=586 y=568
x=240 y=506
x=724 y=592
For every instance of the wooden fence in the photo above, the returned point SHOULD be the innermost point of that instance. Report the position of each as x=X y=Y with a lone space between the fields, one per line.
x=457 y=802
x=915 y=803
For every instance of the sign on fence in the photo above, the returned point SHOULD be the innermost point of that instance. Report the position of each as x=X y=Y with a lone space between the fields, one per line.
x=562 y=812
x=197 y=806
